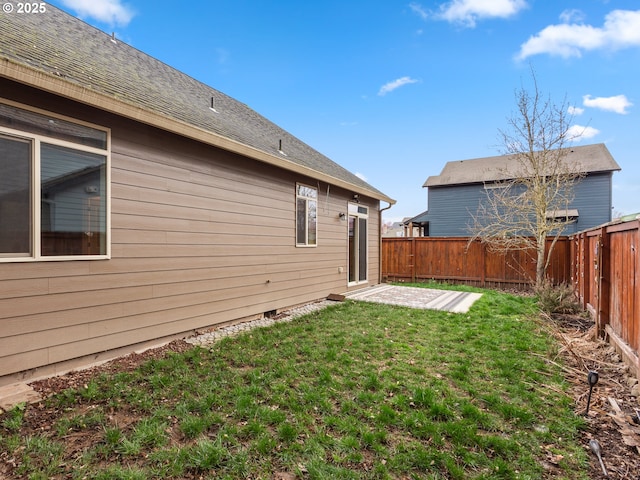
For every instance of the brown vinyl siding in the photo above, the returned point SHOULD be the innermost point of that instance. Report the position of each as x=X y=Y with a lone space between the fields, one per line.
x=199 y=237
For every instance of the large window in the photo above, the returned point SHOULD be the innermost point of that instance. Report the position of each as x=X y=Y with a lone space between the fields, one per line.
x=306 y=216
x=53 y=187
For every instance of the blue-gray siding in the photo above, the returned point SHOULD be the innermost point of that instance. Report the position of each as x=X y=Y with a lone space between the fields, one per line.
x=593 y=199
x=451 y=207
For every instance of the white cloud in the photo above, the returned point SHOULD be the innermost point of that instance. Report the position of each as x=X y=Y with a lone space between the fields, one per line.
x=112 y=12
x=391 y=86
x=468 y=12
x=574 y=15
x=361 y=176
x=419 y=10
x=575 y=110
x=617 y=104
x=578 y=132
x=621 y=29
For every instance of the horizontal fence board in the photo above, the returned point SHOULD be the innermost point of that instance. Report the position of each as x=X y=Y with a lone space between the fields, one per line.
x=455 y=259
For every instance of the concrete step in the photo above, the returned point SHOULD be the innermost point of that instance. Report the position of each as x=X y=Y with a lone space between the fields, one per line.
x=12 y=395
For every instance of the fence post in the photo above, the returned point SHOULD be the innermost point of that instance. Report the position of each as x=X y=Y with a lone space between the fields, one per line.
x=587 y=269
x=413 y=263
x=604 y=297
x=483 y=262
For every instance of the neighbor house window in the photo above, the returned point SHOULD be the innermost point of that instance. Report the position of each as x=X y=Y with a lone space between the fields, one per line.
x=53 y=187
x=306 y=215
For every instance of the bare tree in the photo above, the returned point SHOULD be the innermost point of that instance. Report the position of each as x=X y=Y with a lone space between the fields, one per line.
x=530 y=202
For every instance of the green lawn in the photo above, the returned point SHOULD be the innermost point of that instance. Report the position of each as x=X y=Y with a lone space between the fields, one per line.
x=355 y=391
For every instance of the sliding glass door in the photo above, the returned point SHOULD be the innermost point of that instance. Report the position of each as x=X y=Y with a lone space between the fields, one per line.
x=358 y=241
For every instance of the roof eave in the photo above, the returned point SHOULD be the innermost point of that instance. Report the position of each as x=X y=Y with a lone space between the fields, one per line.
x=52 y=84
x=414 y=218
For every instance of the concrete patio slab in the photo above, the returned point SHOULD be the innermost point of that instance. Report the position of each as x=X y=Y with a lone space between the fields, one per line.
x=415 y=297
x=12 y=395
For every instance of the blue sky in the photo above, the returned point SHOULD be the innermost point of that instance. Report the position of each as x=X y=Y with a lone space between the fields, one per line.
x=393 y=90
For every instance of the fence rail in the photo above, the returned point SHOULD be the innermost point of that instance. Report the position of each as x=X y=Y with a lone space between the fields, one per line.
x=456 y=260
x=606 y=278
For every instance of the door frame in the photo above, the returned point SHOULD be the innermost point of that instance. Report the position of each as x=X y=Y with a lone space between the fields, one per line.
x=356 y=215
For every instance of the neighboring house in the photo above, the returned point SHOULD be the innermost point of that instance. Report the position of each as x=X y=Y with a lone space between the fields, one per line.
x=138 y=204
x=454 y=195
x=395 y=229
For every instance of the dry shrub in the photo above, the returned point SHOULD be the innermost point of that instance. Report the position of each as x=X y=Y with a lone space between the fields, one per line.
x=557 y=299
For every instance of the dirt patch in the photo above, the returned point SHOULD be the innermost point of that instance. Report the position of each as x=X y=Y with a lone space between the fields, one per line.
x=80 y=378
x=613 y=410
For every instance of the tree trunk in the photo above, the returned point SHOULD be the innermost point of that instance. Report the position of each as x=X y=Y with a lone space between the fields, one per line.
x=540 y=261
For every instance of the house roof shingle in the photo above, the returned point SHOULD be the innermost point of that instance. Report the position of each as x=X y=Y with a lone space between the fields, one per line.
x=584 y=159
x=114 y=76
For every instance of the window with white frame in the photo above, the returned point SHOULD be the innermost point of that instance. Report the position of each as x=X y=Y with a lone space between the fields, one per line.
x=306 y=216
x=53 y=186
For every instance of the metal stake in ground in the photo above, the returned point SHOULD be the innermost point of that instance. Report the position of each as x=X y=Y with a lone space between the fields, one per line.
x=595 y=448
x=592 y=379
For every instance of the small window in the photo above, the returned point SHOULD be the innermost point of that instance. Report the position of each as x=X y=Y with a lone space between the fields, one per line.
x=306 y=215
x=53 y=187
x=562 y=216
x=496 y=185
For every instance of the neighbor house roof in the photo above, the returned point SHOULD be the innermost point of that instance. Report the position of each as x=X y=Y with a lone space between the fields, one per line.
x=58 y=53
x=420 y=218
x=585 y=159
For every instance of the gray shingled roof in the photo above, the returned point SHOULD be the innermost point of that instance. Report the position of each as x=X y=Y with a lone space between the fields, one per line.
x=66 y=47
x=585 y=159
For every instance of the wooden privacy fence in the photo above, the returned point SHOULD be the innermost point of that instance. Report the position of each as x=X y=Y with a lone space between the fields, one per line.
x=455 y=260
x=606 y=277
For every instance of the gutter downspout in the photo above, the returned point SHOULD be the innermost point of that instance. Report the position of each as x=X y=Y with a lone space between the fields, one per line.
x=380 y=240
